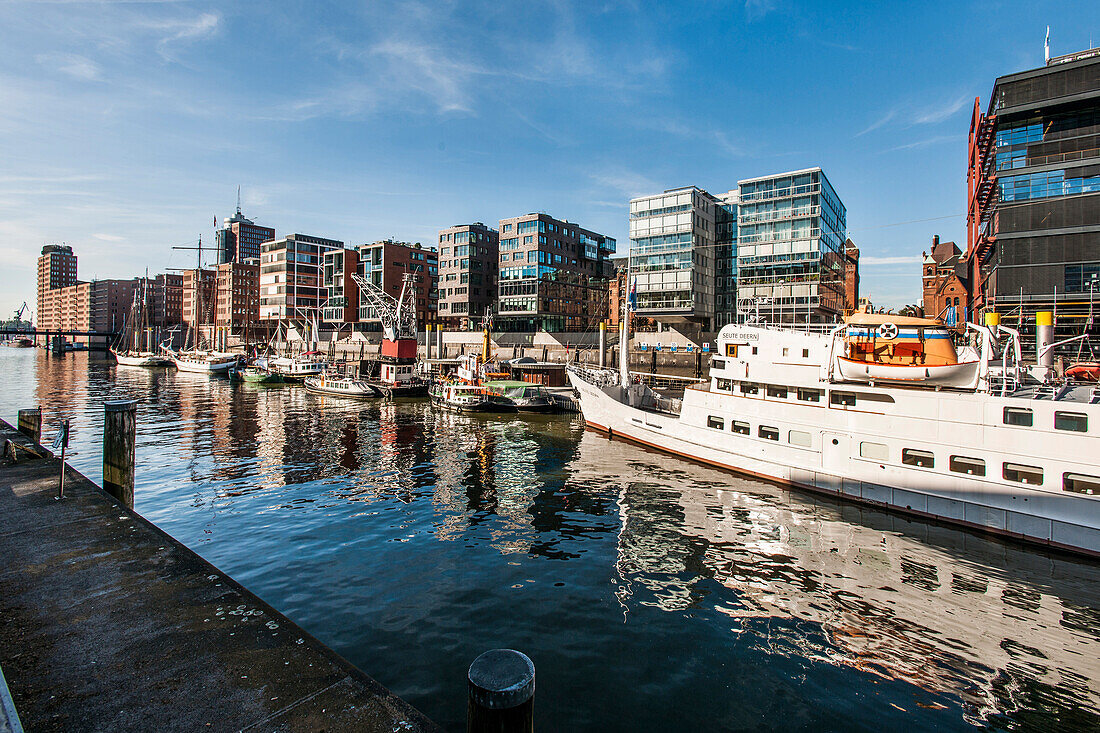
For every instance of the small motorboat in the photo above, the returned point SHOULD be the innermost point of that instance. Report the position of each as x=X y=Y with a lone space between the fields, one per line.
x=468 y=397
x=884 y=347
x=527 y=396
x=296 y=369
x=256 y=375
x=340 y=386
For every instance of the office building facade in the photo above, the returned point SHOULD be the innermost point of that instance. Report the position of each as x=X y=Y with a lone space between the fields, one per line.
x=468 y=271
x=237 y=305
x=56 y=270
x=553 y=275
x=342 y=301
x=791 y=234
x=291 y=277
x=1033 y=181
x=673 y=248
x=386 y=263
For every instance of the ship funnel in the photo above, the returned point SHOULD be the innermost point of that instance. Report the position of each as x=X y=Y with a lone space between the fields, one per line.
x=1044 y=337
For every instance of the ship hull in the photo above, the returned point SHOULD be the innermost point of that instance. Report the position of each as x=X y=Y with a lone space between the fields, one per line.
x=960 y=500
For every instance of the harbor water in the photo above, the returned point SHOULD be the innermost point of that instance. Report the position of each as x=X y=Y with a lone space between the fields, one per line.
x=651 y=593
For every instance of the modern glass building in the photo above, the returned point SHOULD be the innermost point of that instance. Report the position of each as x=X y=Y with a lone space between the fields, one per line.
x=791 y=233
x=1033 y=223
x=553 y=275
x=673 y=238
x=467 y=274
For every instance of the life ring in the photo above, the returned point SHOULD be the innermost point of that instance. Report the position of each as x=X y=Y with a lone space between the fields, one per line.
x=888 y=331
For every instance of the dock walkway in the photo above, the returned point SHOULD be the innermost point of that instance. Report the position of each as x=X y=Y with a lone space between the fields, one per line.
x=109 y=624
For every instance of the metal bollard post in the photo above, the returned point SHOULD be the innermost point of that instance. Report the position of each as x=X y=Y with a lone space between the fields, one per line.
x=119 y=438
x=62 y=441
x=30 y=423
x=501 y=693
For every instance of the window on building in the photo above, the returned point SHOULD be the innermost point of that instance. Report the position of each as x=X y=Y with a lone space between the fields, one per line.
x=741 y=428
x=1077 y=422
x=749 y=387
x=716 y=423
x=731 y=349
x=962 y=464
x=1079 y=483
x=776 y=391
x=805 y=353
x=767 y=432
x=726 y=385
x=1021 y=416
x=1022 y=474
x=918 y=458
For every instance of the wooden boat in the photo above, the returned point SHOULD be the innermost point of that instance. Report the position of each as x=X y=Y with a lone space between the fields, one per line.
x=340 y=386
x=204 y=362
x=138 y=358
x=466 y=397
x=526 y=396
x=888 y=348
x=296 y=369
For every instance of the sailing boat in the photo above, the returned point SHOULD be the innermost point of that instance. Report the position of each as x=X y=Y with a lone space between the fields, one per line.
x=132 y=330
x=200 y=360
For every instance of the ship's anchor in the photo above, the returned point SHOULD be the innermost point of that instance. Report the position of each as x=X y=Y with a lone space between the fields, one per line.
x=888 y=331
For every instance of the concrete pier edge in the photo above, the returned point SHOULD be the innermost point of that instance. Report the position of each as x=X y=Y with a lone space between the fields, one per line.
x=309 y=673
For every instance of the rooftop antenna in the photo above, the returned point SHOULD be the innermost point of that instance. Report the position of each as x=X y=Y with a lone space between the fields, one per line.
x=1046 y=47
x=239 y=187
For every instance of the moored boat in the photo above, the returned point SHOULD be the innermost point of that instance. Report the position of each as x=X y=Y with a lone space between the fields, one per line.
x=256 y=375
x=138 y=359
x=297 y=368
x=339 y=386
x=526 y=396
x=466 y=397
x=204 y=362
x=1000 y=453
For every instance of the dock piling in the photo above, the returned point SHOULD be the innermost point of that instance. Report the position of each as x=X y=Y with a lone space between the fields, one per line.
x=501 y=693
x=119 y=439
x=63 y=441
x=30 y=423
x=603 y=344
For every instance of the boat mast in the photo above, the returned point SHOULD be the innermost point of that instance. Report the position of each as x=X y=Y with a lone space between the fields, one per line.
x=624 y=344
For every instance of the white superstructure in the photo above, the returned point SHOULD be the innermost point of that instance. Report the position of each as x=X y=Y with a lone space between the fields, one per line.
x=995 y=454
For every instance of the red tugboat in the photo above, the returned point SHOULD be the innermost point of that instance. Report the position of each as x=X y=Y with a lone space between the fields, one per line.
x=396 y=376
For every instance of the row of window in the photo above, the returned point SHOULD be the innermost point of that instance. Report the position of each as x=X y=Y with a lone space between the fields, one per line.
x=1010 y=471
x=1077 y=422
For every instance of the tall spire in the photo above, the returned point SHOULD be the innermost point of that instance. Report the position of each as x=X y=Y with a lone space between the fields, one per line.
x=238 y=200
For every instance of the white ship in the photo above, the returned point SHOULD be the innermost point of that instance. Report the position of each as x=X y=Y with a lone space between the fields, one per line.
x=884 y=412
x=204 y=362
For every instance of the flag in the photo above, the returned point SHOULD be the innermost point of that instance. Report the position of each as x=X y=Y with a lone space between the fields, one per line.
x=634 y=296
x=1046 y=46
x=215 y=221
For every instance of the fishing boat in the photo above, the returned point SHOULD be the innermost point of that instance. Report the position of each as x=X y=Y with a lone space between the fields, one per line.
x=463 y=396
x=339 y=386
x=527 y=397
x=1000 y=450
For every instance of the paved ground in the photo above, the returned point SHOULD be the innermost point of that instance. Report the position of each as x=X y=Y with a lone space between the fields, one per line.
x=108 y=624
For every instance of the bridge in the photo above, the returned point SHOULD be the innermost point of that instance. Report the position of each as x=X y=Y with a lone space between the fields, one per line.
x=103 y=339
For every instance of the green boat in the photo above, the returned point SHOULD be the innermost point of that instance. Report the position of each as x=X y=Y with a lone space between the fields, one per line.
x=526 y=396
x=256 y=375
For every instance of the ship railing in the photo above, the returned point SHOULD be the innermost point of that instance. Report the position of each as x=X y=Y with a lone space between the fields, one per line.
x=666 y=405
x=666 y=381
x=597 y=377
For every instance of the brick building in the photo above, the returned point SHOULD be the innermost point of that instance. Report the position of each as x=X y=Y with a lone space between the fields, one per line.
x=851 y=276
x=56 y=270
x=468 y=274
x=237 y=307
x=241 y=239
x=944 y=283
x=166 y=300
x=198 y=307
x=385 y=264
x=291 y=277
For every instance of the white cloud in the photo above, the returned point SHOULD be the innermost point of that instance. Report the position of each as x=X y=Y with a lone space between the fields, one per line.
x=910 y=114
x=176 y=31
x=71 y=64
x=757 y=9
x=109 y=237
x=628 y=183
x=940 y=112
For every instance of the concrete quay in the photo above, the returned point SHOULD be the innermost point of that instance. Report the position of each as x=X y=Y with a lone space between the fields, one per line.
x=109 y=624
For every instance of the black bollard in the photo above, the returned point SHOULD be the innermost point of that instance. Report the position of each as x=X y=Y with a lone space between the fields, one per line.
x=501 y=693
x=119 y=432
x=653 y=365
x=30 y=423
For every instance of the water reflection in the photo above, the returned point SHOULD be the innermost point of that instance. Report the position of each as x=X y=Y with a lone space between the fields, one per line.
x=660 y=594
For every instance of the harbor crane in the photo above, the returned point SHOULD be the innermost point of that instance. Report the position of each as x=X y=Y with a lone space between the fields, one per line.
x=398 y=315
x=19 y=313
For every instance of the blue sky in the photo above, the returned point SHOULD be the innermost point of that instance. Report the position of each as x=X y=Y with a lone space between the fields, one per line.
x=125 y=126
